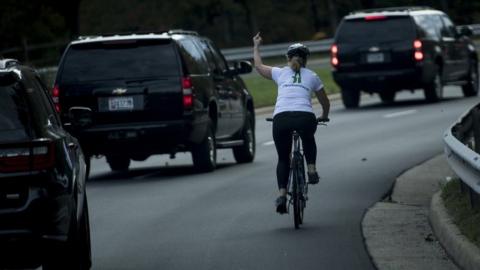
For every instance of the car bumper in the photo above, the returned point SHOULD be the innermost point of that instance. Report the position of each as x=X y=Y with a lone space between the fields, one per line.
x=141 y=138
x=375 y=81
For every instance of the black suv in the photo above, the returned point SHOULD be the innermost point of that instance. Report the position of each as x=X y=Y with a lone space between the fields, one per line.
x=157 y=93
x=386 y=50
x=43 y=203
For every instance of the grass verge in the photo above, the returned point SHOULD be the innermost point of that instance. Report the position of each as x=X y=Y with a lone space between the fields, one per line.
x=264 y=91
x=458 y=206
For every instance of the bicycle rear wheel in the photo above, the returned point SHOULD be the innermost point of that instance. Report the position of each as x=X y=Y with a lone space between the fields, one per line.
x=296 y=197
x=301 y=187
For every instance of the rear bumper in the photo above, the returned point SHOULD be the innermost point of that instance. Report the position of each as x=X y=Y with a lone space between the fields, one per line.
x=141 y=138
x=376 y=81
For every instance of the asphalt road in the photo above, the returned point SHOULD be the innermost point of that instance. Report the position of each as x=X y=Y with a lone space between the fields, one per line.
x=161 y=215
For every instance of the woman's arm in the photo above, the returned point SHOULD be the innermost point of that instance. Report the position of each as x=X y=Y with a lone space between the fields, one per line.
x=324 y=101
x=264 y=70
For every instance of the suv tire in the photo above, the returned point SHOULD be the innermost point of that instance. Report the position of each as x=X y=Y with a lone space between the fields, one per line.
x=350 y=98
x=118 y=163
x=204 y=154
x=246 y=152
x=434 y=90
x=387 y=97
x=471 y=88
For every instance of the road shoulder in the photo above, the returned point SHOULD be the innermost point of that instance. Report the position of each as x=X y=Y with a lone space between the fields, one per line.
x=397 y=231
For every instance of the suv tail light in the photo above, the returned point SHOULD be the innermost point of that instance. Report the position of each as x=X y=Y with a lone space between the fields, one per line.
x=418 y=52
x=38 y=155
x=334 y=55
x=187 y=92
x=56 y=97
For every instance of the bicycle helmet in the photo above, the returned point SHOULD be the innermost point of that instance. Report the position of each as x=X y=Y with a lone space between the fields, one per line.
x=298 y=49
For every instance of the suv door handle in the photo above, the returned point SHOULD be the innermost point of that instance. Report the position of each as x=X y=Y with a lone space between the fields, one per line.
x=72 y=146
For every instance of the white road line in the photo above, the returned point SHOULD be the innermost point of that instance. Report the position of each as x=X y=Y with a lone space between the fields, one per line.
x=269 y=143
x=398 y=114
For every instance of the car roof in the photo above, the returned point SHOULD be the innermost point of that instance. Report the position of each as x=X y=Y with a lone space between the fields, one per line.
x=393 y=11
x=134 y=36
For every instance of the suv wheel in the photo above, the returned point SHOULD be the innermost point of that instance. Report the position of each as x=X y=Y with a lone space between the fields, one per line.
x=434 y=90
x=118 y=163
x=204 y=154
x=351 y=98
x=471 y=88
x=387 y=96
x=75 y=253
x=246 y=152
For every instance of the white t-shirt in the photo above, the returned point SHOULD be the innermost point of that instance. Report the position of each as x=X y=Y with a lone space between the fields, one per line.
x=295 y=90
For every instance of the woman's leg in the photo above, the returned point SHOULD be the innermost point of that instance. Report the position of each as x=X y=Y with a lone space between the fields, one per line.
x=283 y=144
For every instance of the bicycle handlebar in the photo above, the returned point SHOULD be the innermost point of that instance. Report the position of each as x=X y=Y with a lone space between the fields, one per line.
x=320 y=121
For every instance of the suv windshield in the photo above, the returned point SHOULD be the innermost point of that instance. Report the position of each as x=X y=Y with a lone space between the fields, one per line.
x=389 y=29
x=124 y=59
x=14 y=113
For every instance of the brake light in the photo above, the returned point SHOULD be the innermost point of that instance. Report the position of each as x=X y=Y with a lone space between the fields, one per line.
x=56 y=97
x=187 y=92
x=375 y=18
x=418 y=53
x=334 y=55
x=23 y=158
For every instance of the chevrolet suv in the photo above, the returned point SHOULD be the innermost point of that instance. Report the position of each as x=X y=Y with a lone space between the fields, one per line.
x=43 y=203
x=155 y=93
x=387 y=50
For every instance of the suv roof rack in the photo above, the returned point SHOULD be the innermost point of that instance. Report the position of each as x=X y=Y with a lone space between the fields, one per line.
x=8 y=63
x=393 y=9
x=146 y=32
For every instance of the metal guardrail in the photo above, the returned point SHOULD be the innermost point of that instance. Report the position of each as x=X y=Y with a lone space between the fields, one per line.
x=322 y=46
x=462 y=149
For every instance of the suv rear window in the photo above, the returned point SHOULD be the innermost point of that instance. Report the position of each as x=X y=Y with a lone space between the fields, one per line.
x=124 y=59
x=388 y=29
x=14 y=113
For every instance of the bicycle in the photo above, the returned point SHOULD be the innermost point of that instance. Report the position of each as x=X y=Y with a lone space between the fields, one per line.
x=297 y=187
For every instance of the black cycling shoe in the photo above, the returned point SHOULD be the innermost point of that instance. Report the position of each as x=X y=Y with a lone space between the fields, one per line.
x=313 y=178
x=281 y=204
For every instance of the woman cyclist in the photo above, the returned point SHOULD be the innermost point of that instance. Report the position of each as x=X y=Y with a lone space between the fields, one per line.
x=293 y=111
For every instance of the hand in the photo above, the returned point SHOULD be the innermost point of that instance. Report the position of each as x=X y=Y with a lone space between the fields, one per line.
x=257 y=39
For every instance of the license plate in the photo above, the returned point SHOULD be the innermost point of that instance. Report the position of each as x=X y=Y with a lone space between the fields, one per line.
x=120 y=104
x=375 y=58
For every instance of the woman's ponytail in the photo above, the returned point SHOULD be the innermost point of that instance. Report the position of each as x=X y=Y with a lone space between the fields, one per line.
x=296 y=63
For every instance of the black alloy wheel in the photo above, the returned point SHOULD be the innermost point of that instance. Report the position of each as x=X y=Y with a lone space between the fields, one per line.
x=387 y=97
x=118 y=163
x=471 y=88
x=204 y=154
x=434 y=90
x=246 y=152
x=350 y=98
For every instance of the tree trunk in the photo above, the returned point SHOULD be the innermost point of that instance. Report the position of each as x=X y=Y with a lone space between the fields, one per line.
x=332 y=11
x=251 y=22
x=316 y=20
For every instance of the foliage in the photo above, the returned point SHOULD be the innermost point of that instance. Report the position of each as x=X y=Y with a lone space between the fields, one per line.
x=458 y=206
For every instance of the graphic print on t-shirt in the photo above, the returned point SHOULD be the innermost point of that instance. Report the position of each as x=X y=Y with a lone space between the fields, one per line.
x=297 y=78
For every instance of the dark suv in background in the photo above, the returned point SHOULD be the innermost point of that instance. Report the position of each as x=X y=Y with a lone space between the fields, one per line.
x=386 y=50
x=43 y=203
x=155 y=93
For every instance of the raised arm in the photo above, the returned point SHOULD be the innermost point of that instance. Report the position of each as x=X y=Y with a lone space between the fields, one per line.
x=324 y=101
x=264 y=70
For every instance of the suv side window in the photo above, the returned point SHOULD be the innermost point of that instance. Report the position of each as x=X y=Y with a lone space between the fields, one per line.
x=42 y=111
x=193 y=58
x=216 y=61
x=448 y=29
x=48 y=103
x=429 y=25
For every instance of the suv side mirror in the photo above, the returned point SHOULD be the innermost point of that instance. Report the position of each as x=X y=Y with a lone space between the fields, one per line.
x=81 y=117
x=466 y=31
x=242 y=67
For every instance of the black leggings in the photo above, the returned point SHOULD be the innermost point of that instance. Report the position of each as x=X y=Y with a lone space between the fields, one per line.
x=284 y=123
